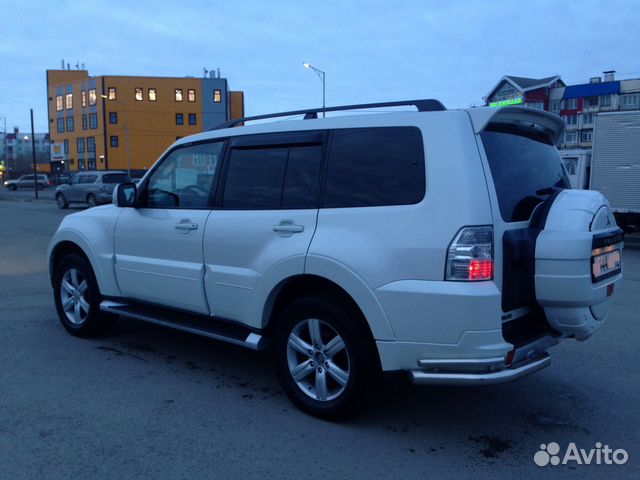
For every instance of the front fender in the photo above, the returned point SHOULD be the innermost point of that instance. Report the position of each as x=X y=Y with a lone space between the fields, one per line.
x=93 y=232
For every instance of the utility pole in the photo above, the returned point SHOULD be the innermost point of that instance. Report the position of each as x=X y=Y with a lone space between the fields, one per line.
x=33 y=157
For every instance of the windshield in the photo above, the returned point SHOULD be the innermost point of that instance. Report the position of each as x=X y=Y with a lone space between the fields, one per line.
x=525 y=168
x=116 y=178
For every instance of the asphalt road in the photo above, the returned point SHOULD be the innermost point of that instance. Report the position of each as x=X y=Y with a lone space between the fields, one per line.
x=145 y=402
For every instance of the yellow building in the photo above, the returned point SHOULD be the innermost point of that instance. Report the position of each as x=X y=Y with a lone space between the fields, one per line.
x=125 y=123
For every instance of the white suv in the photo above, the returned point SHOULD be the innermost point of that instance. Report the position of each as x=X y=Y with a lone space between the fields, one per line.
x=446 y=244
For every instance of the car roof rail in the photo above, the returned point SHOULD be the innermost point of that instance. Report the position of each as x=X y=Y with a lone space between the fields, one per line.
x=424 y=105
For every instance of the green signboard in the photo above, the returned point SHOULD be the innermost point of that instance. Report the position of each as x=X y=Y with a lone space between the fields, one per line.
x=504 y=103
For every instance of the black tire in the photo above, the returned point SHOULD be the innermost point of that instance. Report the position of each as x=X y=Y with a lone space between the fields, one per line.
x=94 y=322
x=91 y=200
x=61 y=201
x=358 y=358
x=40 y=186
x=12 y=187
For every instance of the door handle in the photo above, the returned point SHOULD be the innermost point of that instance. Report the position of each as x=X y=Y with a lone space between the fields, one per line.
x=286 y=228
x=185 y=226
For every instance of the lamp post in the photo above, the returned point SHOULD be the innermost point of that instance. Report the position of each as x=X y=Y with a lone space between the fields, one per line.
x=322 y=77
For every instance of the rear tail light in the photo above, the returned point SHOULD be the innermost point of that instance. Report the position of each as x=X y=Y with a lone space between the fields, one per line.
x=470 y=255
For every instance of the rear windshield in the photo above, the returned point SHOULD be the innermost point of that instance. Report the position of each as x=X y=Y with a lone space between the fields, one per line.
x=115 y=178
x=525 y=168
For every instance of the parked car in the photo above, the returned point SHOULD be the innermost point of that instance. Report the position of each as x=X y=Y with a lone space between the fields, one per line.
x=90 y=187
x=27 y=181
x=445 y=244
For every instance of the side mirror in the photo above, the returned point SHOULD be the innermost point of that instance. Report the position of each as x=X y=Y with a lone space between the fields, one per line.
x=124 y=195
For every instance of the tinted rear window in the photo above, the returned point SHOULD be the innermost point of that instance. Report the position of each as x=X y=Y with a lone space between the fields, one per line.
x=273 y=178
x=522 y=165
x=115 y=178
x=375 y=166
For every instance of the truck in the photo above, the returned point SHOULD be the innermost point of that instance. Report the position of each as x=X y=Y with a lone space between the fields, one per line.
x=615 y=165
x=612 y=165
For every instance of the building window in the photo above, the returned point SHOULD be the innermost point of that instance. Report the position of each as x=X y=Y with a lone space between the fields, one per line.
x=68 y=101
x=570 y=137
x=178 y=94
x=114 y=141
x=587 y=118
x=587 y=135
x=152 y=94
x=217 y=96
x=630 y=101
x=66 y=147
x=84 y=121
x=536 y=105
x=555 y=106
x=92 y=97
x=113 y=117
x=70 y=124
x=61 y=125
x=605 y=100
x=93 y=121
x=179 y=119
x=572 y=103
x=91 y=144
x=592 y=101
x=83 y=98
x=112 y=94
x=80 y=145
x=139 y=94
x=191 y=95
x=571 y=164
x=193 y=120
x=59 y=105
x=571 y=119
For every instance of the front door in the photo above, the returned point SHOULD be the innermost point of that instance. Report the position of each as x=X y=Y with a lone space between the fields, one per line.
x=158 y=245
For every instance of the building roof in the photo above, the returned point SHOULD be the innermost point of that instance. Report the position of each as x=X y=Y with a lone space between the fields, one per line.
x=525 y=84
x=591 y=89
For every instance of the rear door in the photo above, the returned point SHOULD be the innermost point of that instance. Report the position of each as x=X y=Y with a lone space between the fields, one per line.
x=265 y=219
x=158 y=245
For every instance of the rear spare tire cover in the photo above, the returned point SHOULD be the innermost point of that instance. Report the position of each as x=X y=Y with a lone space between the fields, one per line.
x=577 y=261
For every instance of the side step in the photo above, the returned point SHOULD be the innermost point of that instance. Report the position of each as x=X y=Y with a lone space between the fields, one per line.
x=188 y=322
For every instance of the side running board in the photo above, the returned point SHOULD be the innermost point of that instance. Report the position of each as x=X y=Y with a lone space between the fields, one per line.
x=189 y=322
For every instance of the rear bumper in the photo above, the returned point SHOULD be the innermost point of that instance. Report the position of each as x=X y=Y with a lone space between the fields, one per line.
x=421 y=377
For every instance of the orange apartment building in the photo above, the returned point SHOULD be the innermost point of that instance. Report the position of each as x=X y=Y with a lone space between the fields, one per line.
x=126 y=122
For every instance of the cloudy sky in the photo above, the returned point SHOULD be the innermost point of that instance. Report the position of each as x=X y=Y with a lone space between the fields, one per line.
x=371 y=50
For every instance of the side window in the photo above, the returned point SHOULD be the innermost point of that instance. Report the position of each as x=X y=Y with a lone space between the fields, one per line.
x=283 y=177
x=75 y=180
x=90 y=178
x=375 y=166
x=185 y=178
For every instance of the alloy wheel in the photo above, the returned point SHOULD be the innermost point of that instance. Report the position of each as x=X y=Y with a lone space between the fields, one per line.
x=73 y=296
x=318 y=359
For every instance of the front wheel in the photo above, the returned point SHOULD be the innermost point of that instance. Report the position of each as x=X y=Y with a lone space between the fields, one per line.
x=324 y=362
x=77 y=298
x=13 y=188
x=91 y=200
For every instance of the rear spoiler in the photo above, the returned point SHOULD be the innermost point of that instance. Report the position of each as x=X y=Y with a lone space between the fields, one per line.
x=552 y=125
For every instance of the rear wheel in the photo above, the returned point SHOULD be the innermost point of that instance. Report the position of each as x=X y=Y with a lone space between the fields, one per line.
x=77 y=298
x=40 y=186
x=61 y=201
x=91 y=200
x=324 y=362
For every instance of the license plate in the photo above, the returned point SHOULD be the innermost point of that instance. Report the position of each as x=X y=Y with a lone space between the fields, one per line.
x=605 y=265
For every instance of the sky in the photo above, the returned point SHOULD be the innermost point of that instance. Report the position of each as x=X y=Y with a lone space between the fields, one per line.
x=371 y=51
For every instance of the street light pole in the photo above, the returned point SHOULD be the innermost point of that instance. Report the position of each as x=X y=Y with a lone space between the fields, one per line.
x=323 y=78
x=33 y=157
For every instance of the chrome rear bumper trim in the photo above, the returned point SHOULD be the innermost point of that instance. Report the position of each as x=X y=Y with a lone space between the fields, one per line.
x=420 y=377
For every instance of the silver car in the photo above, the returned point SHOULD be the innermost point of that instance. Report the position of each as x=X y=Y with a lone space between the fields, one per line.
x=92 y=187
x=27 y=181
